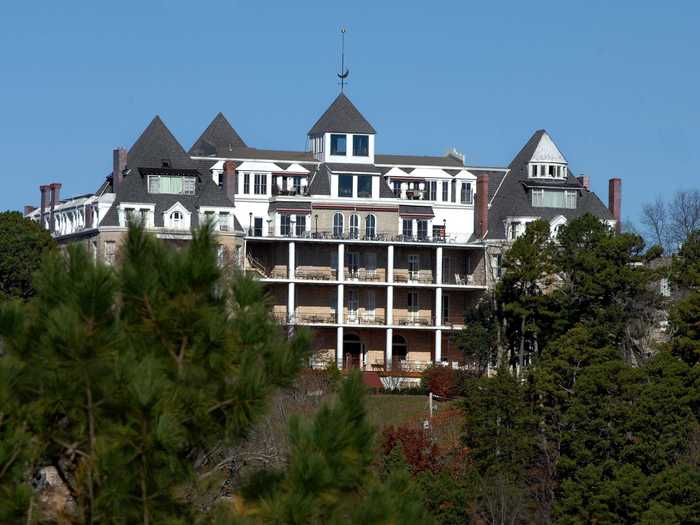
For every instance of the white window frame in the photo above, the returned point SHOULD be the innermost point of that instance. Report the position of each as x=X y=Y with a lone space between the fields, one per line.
x=338 y=224
x=354 y=230
x=413 y=261
x=370 y=226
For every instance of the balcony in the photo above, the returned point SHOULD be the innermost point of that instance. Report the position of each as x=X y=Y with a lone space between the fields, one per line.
x=330 y=235
x=364 y=319
x=414 y=320
x=315 y=318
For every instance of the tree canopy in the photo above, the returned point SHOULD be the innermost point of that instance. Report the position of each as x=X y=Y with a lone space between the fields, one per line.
x=23 y=243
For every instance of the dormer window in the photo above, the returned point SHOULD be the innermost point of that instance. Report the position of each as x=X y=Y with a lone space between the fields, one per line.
x=360 y=145
x=173 y=184
x=338 y=144
x=548 y=171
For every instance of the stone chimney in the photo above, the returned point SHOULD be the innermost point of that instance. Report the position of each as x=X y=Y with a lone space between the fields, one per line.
x=584 y=181
x=229 y=179
x=55 y=198
x=118 y=167
x=28 y=209
x=615 y=201
x=482 y=206
x=44 y=204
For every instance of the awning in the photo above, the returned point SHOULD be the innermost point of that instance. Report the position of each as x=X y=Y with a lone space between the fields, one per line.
x=416 y=212
x=289 y=207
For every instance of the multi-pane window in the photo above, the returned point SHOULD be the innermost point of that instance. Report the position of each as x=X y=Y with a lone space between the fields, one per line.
x=338 y=225
x=545 y=198
x=360 y=145
x=260 y=184
x=445 y=191
x=370 y=226
x=220 y=255
x=407 y=228
x=466 y=196
x=432 y=190
x=397 y=188
x=371 y=263
x=258 y=227
x=354 y=226
x=246 y=183
x=344 y=185
x=173 y=184
x=413 y=266
x=110 y=252
x=364 y=186
x=284 y=225
x=422 y=225
x=177 y=220
x=296 y=184
x=300 y=227
x=338 y=144
x=225 y=221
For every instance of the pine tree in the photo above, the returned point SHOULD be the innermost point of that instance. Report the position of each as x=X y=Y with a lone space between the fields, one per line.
x=120 y=376
x=330 y=478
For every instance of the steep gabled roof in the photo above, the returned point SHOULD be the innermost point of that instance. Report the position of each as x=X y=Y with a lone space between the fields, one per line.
x=218 y=138
x=342 y=116
x=156 y=145
x=512 y=199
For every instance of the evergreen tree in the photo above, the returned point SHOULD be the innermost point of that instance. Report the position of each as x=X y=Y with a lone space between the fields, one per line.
x=119 y=377
x=684 y=315
x=330 y=478
x=23 y=243
x=528 y=274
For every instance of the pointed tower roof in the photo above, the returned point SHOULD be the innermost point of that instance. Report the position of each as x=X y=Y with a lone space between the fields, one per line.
x=155 y=145
x=546 y=150
x=342 y=116
x=218 y=137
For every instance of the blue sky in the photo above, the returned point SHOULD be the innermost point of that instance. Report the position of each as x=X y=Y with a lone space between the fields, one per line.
x=615 y=83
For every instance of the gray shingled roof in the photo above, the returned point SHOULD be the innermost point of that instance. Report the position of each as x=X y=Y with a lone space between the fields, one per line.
x=354 y=168
x=513 y=199
x=495 y=178
x=218 y=138
x=156 y=145
x=320 y=182
x=341 y=116
x=418 y=160
x=268 y=154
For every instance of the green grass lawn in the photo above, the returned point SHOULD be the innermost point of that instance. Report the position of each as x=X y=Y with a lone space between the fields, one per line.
x=386 y=410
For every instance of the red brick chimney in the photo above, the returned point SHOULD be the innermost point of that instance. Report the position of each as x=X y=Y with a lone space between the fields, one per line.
x=118 y=167
x=482 y=206
x=28 y=209
x=584 y=181
x=44 y=188
x=55 y=198
x=615 y=201
x=229 y=179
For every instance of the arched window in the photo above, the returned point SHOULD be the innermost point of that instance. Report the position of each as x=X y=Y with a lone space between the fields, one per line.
x=354 y=226
x=370 y=226
x=338 y=225
x=176 y=219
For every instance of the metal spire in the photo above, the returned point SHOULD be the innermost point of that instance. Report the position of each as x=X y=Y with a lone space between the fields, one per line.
x=343 y=75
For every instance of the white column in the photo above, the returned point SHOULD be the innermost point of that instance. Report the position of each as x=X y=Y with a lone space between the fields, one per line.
x=389 y=305
x=339 y=348
x=438 y=346
x=438 y=307
x=390 y=264
x=340 y=307
x=292 y=263
x=389 y=348
x=438 y=265
x=290 y=303
x=341 y=262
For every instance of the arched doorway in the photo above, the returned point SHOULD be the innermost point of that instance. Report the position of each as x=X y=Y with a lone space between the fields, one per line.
x=353 y=350
x=399 y=351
